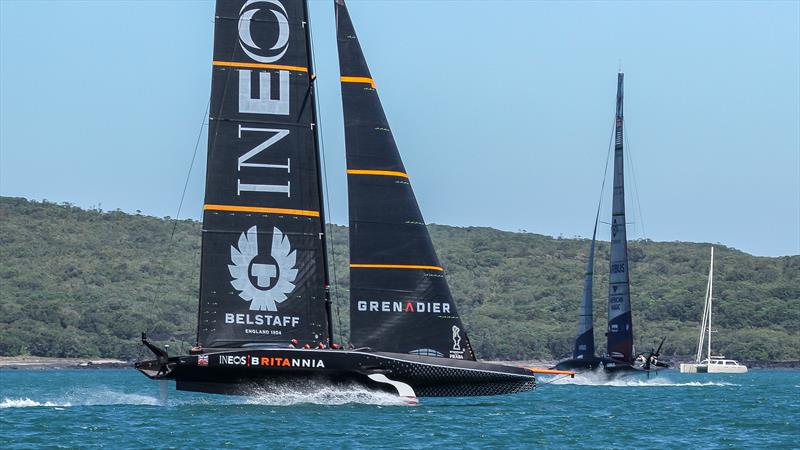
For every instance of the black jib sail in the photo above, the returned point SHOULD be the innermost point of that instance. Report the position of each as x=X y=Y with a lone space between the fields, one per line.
x=399 y=298
x=620 y=327
x=263 y=268
x=584 y=342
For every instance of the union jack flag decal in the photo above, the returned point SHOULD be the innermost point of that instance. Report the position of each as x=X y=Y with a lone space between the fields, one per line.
x=202 y=360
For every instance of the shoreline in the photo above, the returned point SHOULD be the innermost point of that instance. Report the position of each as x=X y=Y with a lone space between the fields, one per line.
x=45 y=363
x=51 y=363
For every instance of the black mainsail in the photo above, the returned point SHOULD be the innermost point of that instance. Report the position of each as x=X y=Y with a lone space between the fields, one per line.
x=263 y=271
x=399 y=298
x=620 y=326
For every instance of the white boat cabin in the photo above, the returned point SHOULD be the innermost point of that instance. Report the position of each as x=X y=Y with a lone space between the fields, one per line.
x=718 y=364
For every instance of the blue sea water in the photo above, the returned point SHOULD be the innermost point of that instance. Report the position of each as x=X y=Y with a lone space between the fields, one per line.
x=123 y=409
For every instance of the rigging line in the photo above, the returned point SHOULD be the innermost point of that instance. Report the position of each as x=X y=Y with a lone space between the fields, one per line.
x=329 y=225
x=605 y=174
x=183 y=195
x=605 y=178
x=196 y=272
x=191 y=165
x=213 y=141
x=212 y=144
x=603 y=185
x=629 y=153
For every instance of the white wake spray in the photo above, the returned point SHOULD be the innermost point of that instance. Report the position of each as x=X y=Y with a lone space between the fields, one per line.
x=600 y=379
x=309 y=393
x=28 y=403
x=83 y=398
x=298 y=394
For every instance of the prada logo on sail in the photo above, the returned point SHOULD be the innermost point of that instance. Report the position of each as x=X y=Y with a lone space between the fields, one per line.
x=256 y=96
x=456 y=338
x=457 y=352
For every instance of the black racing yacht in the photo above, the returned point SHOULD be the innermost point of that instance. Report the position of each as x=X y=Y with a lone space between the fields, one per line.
x=621 y=358
x=264 y=315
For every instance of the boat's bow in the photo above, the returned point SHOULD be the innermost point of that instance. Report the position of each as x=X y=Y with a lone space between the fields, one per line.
x=160 y=368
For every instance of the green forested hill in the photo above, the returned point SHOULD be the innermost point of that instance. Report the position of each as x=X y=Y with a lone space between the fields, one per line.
x=77 y=282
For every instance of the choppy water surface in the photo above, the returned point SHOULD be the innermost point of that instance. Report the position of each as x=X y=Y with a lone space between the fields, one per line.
x=122 y=409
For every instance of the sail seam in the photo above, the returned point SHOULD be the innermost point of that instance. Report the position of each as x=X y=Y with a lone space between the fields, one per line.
x=366 y=80
x=258 y=209
x=394 y=266
x=387 y=173
x=259 y=66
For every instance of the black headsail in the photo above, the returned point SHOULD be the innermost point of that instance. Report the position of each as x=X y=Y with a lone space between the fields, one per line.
x=620 y=327
x=399 y=298
x=263 y=269
x=584 y=341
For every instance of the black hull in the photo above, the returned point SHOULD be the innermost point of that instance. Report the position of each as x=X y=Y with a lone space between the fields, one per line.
x=611 y=368
x=245 y=371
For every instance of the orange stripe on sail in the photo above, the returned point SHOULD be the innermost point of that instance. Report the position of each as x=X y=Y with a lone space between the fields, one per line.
x=394 y=266
x=258 y=209
x=258 y=66
x=386 y=173
x=367 y=80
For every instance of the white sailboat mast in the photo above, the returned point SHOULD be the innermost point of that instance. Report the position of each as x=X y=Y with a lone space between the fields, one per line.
x=710 y=297
x=719 y=364
x=706 y=321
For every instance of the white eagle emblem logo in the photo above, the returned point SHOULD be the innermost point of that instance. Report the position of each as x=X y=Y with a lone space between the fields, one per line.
x=263 y=297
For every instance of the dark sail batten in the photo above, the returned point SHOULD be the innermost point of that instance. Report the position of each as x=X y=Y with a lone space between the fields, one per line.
x=262 y=267
x=620 y=325
x=399 y=297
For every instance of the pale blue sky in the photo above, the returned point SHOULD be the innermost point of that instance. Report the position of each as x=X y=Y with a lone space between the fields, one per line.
x=502 y=110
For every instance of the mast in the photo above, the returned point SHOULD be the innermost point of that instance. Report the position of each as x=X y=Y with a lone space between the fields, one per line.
x=620 y=326
x=710 y=299
x=705 y=325
x=701 y=341
x=316 y=130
